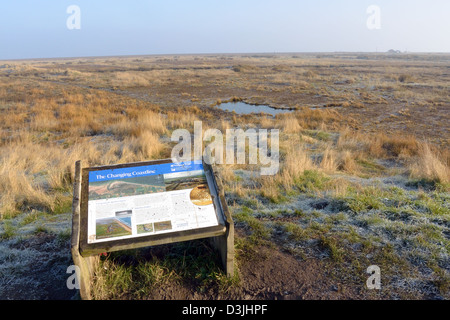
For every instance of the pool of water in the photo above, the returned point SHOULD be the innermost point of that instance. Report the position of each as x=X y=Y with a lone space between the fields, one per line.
x=246 y=108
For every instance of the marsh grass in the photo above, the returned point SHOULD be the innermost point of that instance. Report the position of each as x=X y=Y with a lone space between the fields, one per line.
x=45 y=140
x=430 y=166
x=327 y=157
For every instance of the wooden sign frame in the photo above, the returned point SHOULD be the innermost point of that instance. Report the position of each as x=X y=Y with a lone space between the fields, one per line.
x=85 y=255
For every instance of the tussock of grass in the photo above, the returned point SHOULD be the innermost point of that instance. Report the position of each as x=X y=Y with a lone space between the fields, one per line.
x=347 y=162
x=257 y=228
x=378 y=145
x=392 y=146
x=332 y=244
x=406 y=78
x=9 y=231
x=289 y=125
x=311 y=180
x=329 y=160
x=430 y=166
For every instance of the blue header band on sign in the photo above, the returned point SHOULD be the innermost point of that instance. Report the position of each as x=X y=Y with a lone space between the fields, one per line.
x=141 y=171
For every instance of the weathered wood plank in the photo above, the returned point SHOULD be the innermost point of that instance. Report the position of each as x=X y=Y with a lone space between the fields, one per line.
x=86 y=265
x=224 y=243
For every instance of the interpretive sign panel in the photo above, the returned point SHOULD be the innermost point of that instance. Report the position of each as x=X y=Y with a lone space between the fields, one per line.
x=152 y=199
x=142 y=204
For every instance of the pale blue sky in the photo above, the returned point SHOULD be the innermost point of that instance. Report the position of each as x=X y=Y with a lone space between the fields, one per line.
x=36 y=29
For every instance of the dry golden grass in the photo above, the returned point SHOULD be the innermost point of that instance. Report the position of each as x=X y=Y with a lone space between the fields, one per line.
x=296 y=160
x=28 y=173
x=346 y=162
x=329 y=162
x=145 y=146
x=382 y=145
x=270 y=187
x=265 y=122
x=316 y=118
x=378 y=145
x=32 y=174
x=430 y=166
x=130 y=79
x=289 y=125
x=136 y=125
x=46 y=126
x=42 y=138
x=174 y=120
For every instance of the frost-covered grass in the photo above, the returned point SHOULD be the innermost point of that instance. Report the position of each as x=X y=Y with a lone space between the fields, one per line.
x=34 y=255
x=403 y=230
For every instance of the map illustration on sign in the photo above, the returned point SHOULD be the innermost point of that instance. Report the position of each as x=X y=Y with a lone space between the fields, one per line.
x=117 y=226
x=145 y=200
x=125 y=187
x=184 y=180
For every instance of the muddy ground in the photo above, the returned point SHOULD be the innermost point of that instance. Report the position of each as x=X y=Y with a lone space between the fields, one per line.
x=273 y=275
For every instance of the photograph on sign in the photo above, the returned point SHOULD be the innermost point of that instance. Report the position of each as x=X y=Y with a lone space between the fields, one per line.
x=144 y=200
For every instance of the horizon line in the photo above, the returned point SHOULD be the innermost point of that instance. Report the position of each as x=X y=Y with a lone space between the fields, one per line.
x=399 y=52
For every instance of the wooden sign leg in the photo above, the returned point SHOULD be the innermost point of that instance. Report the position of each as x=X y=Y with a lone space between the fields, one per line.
x=225 y=246
x=86 y=265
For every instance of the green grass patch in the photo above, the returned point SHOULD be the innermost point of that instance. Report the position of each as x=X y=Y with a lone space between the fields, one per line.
x=64 y=236
x=364 y=201
x=9 y=230
x=299 y=213
x=257 y=227
x=31 y=217
x=41 y=229
x=338 y=218
x=435 y=203
x=294 y=231
x=370 y=167
x=113 y=281
x=317 y=134
x=311 y=180
x=277 y=198
x=332 y=244
x=63 y=204
x=251 y=203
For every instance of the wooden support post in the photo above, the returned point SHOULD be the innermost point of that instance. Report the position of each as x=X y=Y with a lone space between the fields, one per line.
x=224 y=243
x=86 y=265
